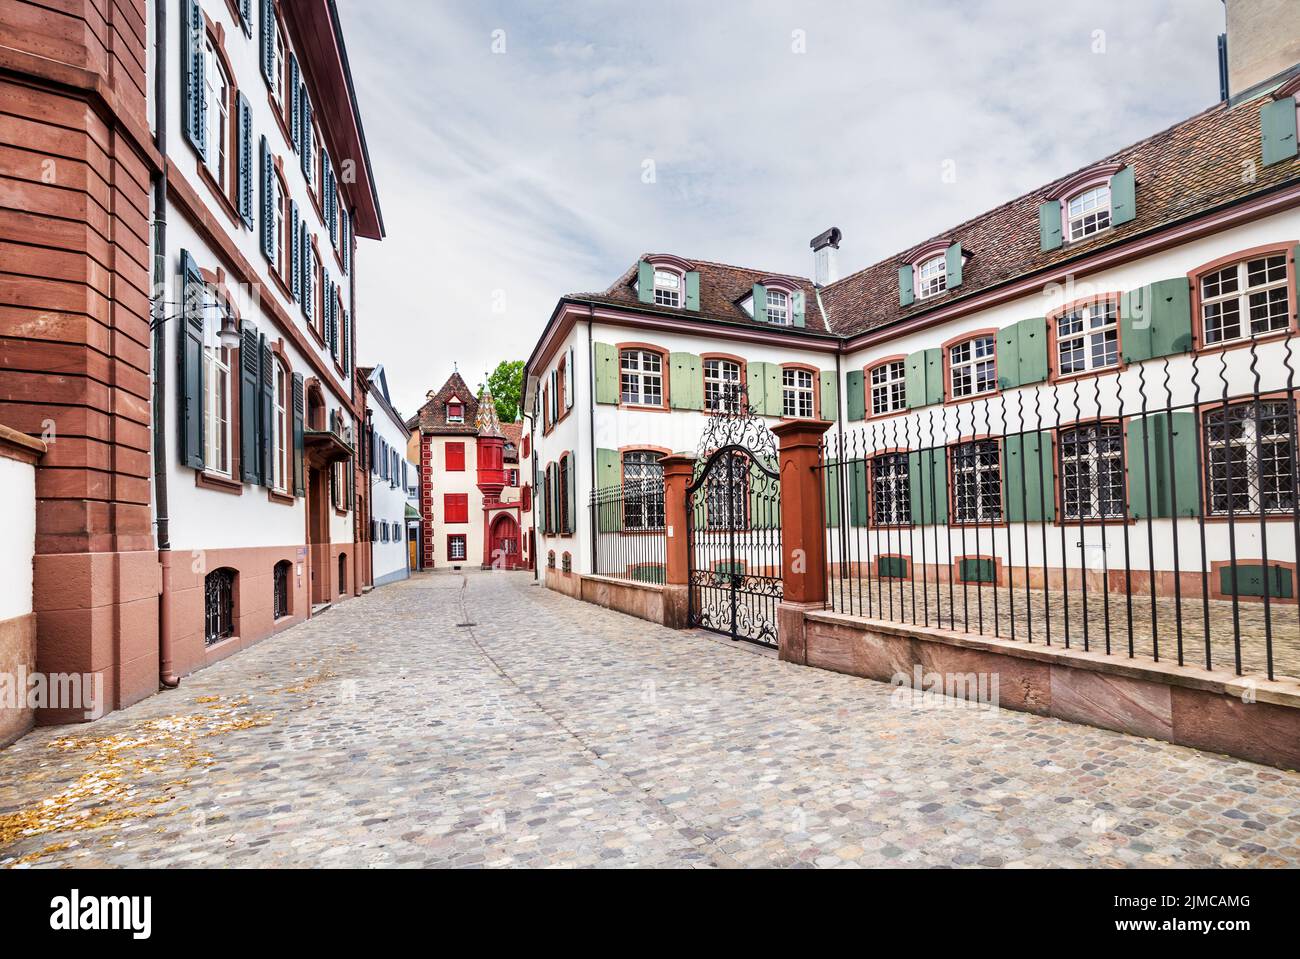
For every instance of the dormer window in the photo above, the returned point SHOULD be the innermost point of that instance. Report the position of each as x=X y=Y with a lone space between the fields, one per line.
x=932 y=276
x=455 y=412
x=1089 y=212
x=778 y=307
x=668 y=288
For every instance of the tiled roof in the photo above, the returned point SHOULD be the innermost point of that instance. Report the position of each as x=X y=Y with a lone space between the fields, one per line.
x=722 y=287
x=432 y=416
x=513 y=432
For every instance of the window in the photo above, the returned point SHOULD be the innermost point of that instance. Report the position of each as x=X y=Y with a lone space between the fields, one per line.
x=888 y=388
x=1092 y=472
x=280 y=204
x=778 y=307
x=891 y=497
x=932 y=276
x=455 y=457
x=1250 y=457
x=1087 y=338
x=280 y=430
x=668 y=288
x=339 y=485
x=218 y=114
x=977 y=482
x=566 y=477
x=973 y=368
x=456 y=414
x=216 y=399
x=721 y=385
x=642 y=377
x=456 y=547
x=281 y=606
x=1254 y=289
x=455 y=507
x=643 y=490
x=726 y=493
x=797 y=393
x=566 y=563
x=512 y=477
x=278 y=67
x=1088 y=212
x=343 y=573
x=218 y=606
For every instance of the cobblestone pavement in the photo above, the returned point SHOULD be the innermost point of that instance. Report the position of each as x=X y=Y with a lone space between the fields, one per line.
x=553 y=733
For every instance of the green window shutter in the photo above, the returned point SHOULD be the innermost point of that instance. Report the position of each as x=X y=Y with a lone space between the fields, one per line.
x=772 y=391
x=1049 y=225
x=831 y=493
x=1030 y=488
x=760 y=302
x=763 y=511
x=645 y=282
x=927 y=477
x=304 y=105
x=976 y=571
x=1277 y=126
x=295 y=111
x=299 y=407
x=953 y=261
x=830 y=396
x=1031 y=351
x=571 y=496
x=693 y=290
x=859 y=508
x=193 y=77
x=1156 y=320
x=923 y=377
x=609 y=468
x=1008 y=356
x=246 y=16
x=268 y=202
x=1162 y=476
x=685 y=381
x=1251 y=579
x=267 y=36
x=905 y=294
x=1123 y=197
x=250 y=463
x=855 y=400
x=934 y=376
x=756 y=385
x=189 y=381
x=266 y=410
x=606 y=364
x=295 y=251
x=649 y=573
x=798 y=303
x=308 y=271
x=244 y=177
x=891 y=567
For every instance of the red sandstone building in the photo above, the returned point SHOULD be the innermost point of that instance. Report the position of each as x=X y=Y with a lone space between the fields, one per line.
x=184 y=185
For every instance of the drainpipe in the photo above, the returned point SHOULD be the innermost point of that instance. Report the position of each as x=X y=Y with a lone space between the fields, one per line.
x=166 y=666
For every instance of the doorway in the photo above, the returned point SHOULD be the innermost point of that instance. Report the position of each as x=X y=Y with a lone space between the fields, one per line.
x=503 y=546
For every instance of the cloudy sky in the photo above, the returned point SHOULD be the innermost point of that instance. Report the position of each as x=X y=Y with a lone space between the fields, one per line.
x=511 y=140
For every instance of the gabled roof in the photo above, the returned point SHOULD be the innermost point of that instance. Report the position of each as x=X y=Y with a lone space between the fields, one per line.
x=432 y=416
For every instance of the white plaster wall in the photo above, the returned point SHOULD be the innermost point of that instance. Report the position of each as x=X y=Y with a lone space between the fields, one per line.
x=456 y=482
x=388 y=501
x=17 y=536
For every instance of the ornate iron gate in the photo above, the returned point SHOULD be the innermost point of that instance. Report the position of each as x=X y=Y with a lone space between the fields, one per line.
x=733 y=512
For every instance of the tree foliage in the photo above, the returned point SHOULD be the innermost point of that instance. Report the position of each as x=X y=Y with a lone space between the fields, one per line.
x=507 y=386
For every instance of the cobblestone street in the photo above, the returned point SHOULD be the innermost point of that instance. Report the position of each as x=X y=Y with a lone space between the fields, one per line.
x=485 y=721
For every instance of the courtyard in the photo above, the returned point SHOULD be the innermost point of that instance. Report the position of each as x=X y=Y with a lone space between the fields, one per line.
x=481 y=720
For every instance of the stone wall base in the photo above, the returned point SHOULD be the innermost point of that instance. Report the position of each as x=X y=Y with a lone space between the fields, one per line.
x=1248 y=717
x=655 y=603
x=17 y=657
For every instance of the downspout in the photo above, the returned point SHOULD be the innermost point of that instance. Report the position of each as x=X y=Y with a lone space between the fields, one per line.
x=591 y=425
x=166 y=664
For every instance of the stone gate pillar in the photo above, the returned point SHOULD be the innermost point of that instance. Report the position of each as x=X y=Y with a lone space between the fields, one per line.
x=677 y=476
x=803 y=532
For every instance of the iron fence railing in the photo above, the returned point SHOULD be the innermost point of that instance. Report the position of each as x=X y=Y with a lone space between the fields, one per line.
x=628 y=532
x=1151 y=512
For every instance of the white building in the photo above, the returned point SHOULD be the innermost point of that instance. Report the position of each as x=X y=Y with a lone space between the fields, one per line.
x=392 y=479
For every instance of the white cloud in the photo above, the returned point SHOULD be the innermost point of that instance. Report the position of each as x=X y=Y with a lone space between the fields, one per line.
x=519 y=174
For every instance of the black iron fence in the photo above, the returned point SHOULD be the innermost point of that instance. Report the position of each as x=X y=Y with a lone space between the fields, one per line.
x=628 y=533
x=1150 y=512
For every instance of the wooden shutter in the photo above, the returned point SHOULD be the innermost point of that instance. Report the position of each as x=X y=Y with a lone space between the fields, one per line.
x=327 y=198
x=1030 y=485
x=305 y=108
x=855 y=400
x=570 y=495
x=831 y=493
x=686 y=381
x=773 y=391
x=266 y=422
x=347 y=341
x=189 y=357
x=953 y=262
x=1156 y=320
x=268 y=42
x=245 y=174
x=308 y=271
x=327 y=295
x=1049 y=225
x=609 y=475
x=250 y=362
x=194 y=78
x=859 y=505
x=299 y=403
x=1277 y=126
x=927 y=473
x=830 y=396
x=763 y=509
x=756 y=385
x=693 y=290
x=797 y=309
x=923 y=377
x=295 y=252
x=606 y=362
x=455 y=457
x=295 y=111
x=1251 y=579
x=1022 y=353
x=645 y=282
x=568 y=380
x=760 y=302
x=905 y=294
x=268 y=203
x=1162 y=475
x=1123 y=197
x=246 y=16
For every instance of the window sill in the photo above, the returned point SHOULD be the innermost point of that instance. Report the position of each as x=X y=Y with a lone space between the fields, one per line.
x=1242 y=344
x=637 y=407
x=279 y=496
x=222 y=484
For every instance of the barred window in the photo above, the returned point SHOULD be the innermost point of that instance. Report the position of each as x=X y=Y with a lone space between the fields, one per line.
x=797 y=393
x=456 y=547
x=977 y=481
x=1089 y=212
x=219 y=605
x=721 y=385
x=1088 y=338
x=643 y=490
x=281 y=584
x=973 y=368
x=1250 y=457
x=888 y=388
x=727 y=493
x=891 y=490
x=932 y=276
x=1245 y=300
x=1092 y=472
x=642 y=377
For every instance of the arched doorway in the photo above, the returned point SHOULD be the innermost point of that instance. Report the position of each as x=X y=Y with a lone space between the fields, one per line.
x=503 y=545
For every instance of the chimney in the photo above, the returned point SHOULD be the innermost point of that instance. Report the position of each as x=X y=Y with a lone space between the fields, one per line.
x=825 y=247
x=1263 y=41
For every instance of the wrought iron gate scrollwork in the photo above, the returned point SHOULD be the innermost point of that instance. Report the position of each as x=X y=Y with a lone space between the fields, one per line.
x=733 y=510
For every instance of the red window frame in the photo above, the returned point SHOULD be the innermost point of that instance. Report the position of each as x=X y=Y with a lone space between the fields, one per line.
x=464 y=547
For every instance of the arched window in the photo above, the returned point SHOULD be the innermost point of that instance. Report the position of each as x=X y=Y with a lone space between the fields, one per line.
x=932 y=276
x=283 y=603
x=668 y=287
x=216 y=396
x=219 y=605
x=1088 y=211
x=280 y=429
x=778 y=307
